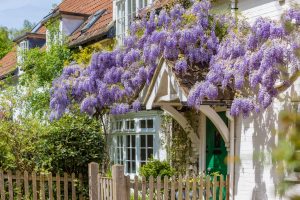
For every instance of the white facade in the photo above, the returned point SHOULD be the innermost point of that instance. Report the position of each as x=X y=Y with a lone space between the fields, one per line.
x=124 y=12
x=252 y=177
x=255 y=176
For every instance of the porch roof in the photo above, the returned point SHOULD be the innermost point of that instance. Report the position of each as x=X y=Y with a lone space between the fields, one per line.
x=179 y=86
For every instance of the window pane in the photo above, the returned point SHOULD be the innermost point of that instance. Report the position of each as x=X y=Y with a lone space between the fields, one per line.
x=133 y=167
x=143 y=123
x=143 y=154
x=133 y=154
x=133 y=141
x=150 y=123
x=143 y=163
x=150 y=140
x=128 y=141
x=128 y=167
x=143 y=141
x=150 y=153
x=128 y=154
x=132 y=125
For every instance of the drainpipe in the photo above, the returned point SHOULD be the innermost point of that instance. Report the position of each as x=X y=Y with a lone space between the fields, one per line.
x=234 y=8
x=234 y=4
x=231 y=154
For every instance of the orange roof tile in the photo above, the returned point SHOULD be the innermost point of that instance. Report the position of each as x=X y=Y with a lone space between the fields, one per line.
x=8 y=62
x=41 y=30
x=81 y=6
x=101 y=26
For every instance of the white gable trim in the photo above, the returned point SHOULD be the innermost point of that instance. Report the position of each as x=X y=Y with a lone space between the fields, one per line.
x=217 y=121
x=163 y=78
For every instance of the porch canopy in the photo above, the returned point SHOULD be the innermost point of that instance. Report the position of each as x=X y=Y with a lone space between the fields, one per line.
x=169 y=90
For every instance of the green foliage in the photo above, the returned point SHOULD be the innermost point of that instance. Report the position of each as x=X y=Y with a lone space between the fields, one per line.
x=40 y=68
x=286 y=155
x=84 y=55
x=156 y=168
x=5 y=43
x=44 y=66
x=70 y=144
x=178 y=145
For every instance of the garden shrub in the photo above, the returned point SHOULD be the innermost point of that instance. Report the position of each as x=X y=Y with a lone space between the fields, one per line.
x=156 y=168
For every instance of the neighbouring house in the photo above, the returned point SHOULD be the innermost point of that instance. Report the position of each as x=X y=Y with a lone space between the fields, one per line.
x=8 y=64
x=82 y=22
x=212 y=135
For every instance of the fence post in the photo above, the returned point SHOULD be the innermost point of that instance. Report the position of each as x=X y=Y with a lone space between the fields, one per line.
x=120 y=186
x=93 y=181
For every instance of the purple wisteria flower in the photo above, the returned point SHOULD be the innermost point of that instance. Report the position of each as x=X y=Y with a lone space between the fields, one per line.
x=233 y=55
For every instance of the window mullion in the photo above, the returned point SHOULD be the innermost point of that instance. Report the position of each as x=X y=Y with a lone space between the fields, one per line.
x=138 y=151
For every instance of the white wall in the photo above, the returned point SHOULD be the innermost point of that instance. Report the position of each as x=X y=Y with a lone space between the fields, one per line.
x=255 y=176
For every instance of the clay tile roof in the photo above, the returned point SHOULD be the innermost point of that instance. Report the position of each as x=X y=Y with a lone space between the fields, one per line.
x=41 y=30
x=81 y=6
x=8 y=63
x=100 y=27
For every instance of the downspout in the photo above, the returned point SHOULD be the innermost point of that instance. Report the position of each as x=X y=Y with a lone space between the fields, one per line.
x=234 y=8
x=232 y=139
x=234 y=5
x=231 y=153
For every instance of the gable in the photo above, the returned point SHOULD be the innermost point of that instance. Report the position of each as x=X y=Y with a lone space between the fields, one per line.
x=164 y=88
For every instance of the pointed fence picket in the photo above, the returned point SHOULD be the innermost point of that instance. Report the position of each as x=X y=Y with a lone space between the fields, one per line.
x=180 y=188
x=38 y=186
x=165 y=188
x=120 y=187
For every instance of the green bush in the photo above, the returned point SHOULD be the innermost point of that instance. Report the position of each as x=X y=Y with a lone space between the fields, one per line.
x=156 y=168
x=70 y=144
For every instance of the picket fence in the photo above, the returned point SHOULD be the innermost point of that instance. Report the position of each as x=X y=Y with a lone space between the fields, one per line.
x=120 y=187
x=39 y=186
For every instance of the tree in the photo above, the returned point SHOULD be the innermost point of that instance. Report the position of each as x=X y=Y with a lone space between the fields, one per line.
x=230 y=54
x=40 y=68
x=27 y=27
x=5 y=43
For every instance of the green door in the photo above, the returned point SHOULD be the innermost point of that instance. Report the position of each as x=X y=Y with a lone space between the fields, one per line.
x=215 y=148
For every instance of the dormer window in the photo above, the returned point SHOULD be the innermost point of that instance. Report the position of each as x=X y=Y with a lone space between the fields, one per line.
x=93 y=20
x=24 y=45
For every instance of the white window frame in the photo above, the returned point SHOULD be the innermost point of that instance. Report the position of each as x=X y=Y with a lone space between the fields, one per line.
x=22 y=48
x=125 y=12
x=138 y=133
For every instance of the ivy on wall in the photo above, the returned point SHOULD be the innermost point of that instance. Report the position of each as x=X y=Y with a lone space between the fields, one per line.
x=177 y=143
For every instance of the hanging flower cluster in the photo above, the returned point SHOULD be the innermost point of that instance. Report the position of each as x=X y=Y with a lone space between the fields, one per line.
x=249 y=56
x=253 y=60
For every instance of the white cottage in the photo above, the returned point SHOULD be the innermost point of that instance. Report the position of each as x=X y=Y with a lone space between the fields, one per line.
x=213 y=134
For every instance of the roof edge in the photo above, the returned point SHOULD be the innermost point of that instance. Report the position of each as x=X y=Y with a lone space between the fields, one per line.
x=28 y=34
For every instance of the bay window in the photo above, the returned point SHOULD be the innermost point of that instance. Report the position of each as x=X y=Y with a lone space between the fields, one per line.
x=134 y=141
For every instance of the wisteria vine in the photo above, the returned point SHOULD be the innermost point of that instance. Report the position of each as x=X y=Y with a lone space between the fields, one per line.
x=247 y=59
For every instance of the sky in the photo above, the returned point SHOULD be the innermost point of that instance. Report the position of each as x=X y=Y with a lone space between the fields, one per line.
x=14 y=12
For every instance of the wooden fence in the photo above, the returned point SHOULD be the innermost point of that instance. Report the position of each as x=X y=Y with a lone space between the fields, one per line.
x=120 y=187
x=39 y=186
